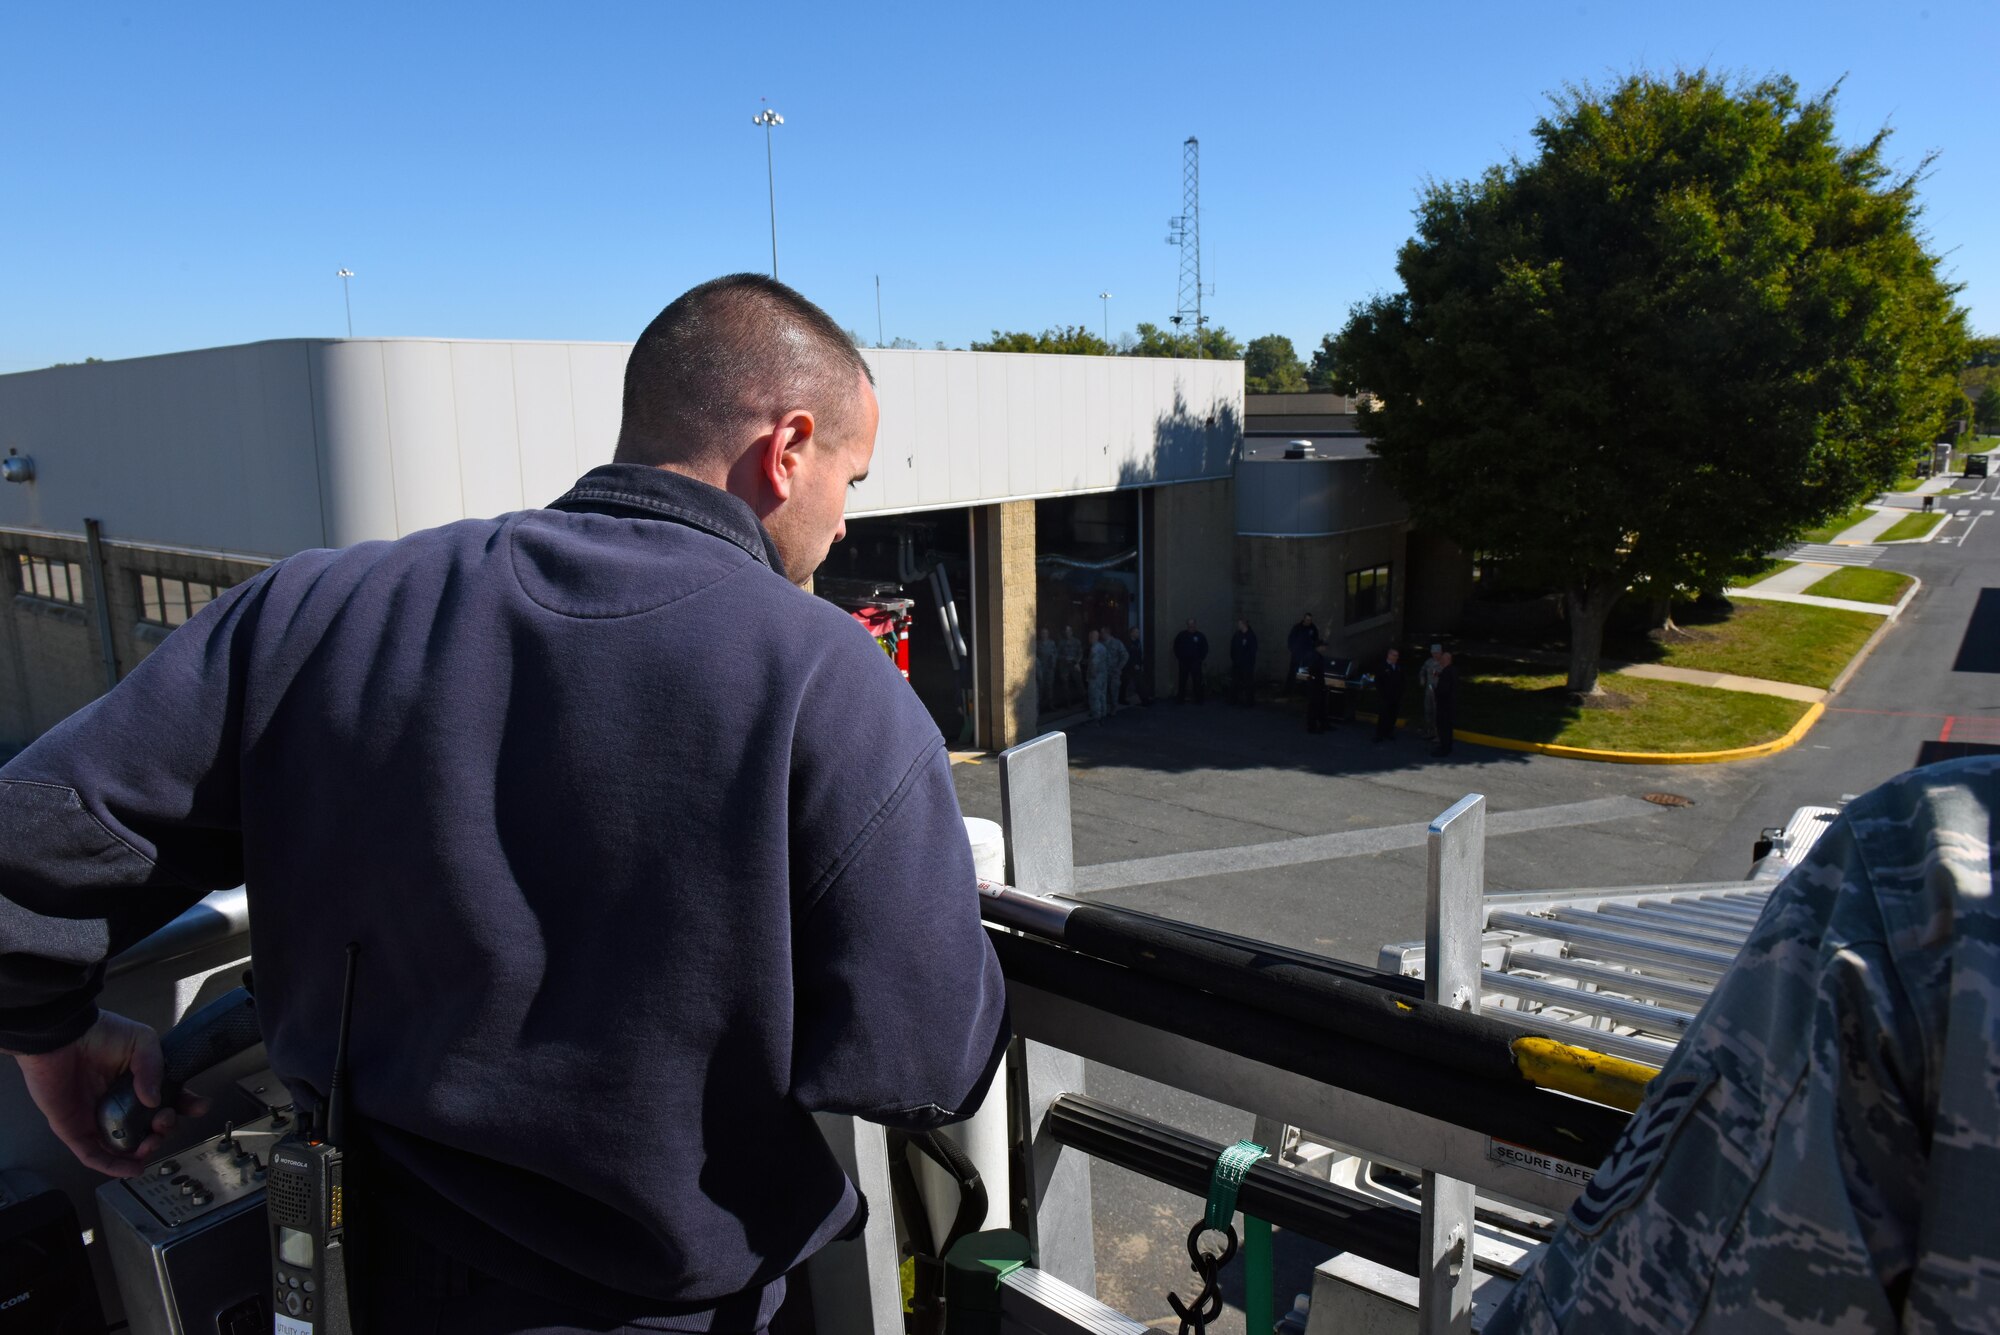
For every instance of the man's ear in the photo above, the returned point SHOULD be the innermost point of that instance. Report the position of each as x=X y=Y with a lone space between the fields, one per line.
x=778 y=453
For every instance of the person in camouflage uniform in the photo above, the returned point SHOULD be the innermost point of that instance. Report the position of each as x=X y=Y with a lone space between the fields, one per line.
x=1116 y=659
x=1045 y=669
x=1097 y=672
x=1822 y=1152
x=1069 y=667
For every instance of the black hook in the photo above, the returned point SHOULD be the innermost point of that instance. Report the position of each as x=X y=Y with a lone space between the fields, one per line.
x=1206 y=1305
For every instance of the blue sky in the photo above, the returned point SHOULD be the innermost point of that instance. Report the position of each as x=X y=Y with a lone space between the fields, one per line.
x=185 y=176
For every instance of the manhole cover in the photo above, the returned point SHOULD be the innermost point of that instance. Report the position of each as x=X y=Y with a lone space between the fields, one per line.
x=1668 y=800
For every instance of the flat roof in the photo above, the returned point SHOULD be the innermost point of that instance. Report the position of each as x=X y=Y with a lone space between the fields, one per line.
x=1339 y=447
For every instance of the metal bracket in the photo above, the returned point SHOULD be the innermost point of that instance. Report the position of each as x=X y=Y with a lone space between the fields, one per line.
x=1034 y=815
x=1454 y=917
x=1051 y=1183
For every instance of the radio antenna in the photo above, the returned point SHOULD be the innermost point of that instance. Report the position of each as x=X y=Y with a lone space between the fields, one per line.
x=336 y=1094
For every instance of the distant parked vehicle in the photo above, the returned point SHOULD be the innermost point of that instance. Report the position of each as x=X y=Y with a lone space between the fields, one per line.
x=1975 y=464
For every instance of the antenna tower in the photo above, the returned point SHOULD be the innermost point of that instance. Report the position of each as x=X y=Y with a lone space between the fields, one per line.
x=1185 y=231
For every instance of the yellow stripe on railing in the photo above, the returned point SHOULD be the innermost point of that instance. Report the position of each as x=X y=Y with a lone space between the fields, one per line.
x=1587 y=1075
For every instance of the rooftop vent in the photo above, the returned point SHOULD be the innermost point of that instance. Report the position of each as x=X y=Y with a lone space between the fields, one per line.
x=1298 y=449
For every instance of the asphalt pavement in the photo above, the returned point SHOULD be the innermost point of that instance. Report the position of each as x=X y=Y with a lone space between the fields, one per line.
x=1239 y=819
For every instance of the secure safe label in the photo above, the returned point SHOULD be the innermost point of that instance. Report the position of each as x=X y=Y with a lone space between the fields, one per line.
x=1501 y=1151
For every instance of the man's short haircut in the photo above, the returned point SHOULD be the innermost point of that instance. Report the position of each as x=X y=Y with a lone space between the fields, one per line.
x=738 y=349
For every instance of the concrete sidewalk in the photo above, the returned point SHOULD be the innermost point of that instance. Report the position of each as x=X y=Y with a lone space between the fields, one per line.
x=1876 y=524
x=1913 y=499
x=1810 y=600
x=1721 y=681
x=1796 y=580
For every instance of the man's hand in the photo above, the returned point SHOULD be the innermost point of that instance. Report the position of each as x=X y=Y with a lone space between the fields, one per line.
x=68 y=1084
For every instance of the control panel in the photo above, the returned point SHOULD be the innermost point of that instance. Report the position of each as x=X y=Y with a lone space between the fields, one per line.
x=213 y=1174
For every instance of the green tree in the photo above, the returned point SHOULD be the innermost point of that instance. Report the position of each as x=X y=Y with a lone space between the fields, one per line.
x=1986 y=412
x=1324 y=370
x=1270 y=366
x=1072 y=339
x=1981 y=374
x=1690 y=326
x=1216 y=344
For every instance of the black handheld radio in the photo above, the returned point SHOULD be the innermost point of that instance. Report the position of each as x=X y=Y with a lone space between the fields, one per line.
x=304 y=1196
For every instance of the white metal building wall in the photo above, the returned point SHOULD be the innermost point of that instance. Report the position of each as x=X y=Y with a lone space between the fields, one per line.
x=268 y=448
x=211 y=449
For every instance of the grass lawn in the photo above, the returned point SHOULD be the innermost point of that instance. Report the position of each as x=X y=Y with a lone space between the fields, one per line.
x=1838 y=524
x=1776 y=641
x=1509 y=700
x=1862 y=586
x=1911 y=526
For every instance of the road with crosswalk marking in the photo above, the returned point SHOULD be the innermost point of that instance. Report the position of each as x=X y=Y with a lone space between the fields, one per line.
x=1827 y=553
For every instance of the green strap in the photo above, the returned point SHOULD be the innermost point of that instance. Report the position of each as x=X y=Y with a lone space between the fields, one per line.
x=1259 y=1281
x=1230 y=1167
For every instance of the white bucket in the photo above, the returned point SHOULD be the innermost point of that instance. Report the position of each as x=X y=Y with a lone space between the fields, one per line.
x=983 y=1136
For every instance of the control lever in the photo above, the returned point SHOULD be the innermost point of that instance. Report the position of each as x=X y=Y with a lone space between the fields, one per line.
x=213 y=1034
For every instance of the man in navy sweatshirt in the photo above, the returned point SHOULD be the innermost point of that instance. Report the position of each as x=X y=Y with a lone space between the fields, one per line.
x=649 y=853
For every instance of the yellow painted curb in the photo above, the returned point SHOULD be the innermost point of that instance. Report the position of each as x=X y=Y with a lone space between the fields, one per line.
x=1582 y=1073
x=1770 y=748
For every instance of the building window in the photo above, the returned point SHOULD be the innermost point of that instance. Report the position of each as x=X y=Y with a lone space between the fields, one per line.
x=1367 y=594
x=170 y=602
x=46 y=577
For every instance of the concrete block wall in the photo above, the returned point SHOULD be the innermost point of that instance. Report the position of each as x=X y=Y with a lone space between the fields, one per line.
x=1191 y=531
x=51 y=661
x=52 y=655
x=1278 y=579
x=1005 y=537
x=122 y=568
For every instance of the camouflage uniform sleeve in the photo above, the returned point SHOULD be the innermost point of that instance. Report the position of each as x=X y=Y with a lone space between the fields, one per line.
x=1823 y=1150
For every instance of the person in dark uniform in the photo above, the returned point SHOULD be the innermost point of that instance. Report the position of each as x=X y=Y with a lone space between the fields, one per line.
x=1190 y=651
x=1299 y=645
x=1135 y=670
x=1446 y=691
x=689 y=918
x=1317 y=713
x=1243 y=665
x=1388 y=694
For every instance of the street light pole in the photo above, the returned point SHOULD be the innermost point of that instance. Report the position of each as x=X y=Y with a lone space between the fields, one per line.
x=1105 y=297
x=347 y=297
x=768 y=118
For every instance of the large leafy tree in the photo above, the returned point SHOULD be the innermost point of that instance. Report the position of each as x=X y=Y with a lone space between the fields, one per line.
x=1986 y=411
x=1073 y=339
x=1324 y=372
x=1690 y=326
x=1271 y=366
x=1980 y=383
x=1216 y=344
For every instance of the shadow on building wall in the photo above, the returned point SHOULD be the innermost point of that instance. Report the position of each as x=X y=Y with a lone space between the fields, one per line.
x=1187 y=445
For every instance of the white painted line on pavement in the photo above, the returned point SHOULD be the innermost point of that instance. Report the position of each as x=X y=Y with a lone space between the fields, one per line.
x=1344 y=844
